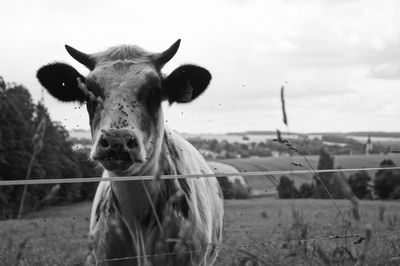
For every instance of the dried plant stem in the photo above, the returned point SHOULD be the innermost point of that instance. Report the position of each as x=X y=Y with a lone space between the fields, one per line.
x=368 y=235
x=90 y=95
x=153 y=208
x=291 y=147
x=37 y=141
x=329 y=194
x=25 y=189
x=348 y=193
x=322 y=255
x=21 y=248
x=285 y=121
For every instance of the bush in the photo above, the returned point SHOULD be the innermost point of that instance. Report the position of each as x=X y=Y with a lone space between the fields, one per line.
x=240 y=192
x=233 y=190
x=359 y=183
x=305 y=190
x=286 y=188
x=395 y=194
x=386 y=181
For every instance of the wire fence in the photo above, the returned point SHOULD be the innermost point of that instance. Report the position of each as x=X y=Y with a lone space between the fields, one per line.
x=356 y=238
x=278 y=243
x=200 y=175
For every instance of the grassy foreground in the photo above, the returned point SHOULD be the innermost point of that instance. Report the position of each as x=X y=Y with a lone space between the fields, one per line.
x=262 y=231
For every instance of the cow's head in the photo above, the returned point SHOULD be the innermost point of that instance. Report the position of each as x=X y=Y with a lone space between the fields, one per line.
x=123 y=93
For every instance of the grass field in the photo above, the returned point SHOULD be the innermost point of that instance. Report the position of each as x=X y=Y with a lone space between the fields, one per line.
x=284 y=163
x=58 y=236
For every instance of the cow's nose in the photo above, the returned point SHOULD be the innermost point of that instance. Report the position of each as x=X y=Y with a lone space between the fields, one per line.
x=118 y=149
x=117 y=140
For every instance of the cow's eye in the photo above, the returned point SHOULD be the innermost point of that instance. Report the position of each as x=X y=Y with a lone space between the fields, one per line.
x=151 y=97
x=155 y=93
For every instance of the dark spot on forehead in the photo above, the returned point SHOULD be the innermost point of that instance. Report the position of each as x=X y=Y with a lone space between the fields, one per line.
x=122 y=66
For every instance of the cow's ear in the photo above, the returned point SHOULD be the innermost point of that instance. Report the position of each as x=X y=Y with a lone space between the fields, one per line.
x=60 y=80
x=186 y=83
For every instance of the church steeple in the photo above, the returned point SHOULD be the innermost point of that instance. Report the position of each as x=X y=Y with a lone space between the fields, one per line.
x=368 y=145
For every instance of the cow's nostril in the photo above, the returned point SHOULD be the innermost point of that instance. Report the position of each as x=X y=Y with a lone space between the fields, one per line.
x=131 y=143
x=104 y=143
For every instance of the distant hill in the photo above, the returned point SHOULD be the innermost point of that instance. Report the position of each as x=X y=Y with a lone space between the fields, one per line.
x=257 y=136
x=356 y=133
x=262 y=133
x=80 y=134
x=375 y=134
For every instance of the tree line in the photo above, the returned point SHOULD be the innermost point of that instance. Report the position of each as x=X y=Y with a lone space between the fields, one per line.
x=385 y=185
x=224 y=149
x=19 y=118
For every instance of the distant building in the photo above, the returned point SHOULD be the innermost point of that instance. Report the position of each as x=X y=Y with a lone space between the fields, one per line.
x=208 y=154
x=368 y=145
x=275 y=154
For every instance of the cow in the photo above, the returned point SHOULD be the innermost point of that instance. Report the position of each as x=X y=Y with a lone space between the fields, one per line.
x=142 y=222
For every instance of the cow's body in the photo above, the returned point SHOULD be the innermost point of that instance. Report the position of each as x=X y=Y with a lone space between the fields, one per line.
x=195 y=229
x=157 y=222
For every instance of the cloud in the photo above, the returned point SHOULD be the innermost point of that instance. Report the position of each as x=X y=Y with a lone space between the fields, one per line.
x=330 y=52
x=386 y=71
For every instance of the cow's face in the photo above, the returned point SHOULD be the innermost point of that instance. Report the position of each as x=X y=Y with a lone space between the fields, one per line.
x=124 y=92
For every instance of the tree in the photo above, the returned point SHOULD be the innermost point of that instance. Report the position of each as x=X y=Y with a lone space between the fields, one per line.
x=19 y=117
x=359 y=183
x=214 y=146
x=305 y=190
x=88 y=169
x=16 y=132
x=386 y=181
x=233 y=190
x=395 y=193
x=339 y=186
x=326 y=161
x=286 y=188
x=226 y=187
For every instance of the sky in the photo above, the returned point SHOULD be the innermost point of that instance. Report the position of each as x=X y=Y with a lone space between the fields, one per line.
x=339 y=60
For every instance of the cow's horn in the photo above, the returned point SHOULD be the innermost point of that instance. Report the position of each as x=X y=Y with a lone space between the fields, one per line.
x=165 y=56
x=85 y=59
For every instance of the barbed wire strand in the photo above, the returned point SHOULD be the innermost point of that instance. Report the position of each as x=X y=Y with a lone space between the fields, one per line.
x=200 y=175
x=249 y=174
x=376 y=235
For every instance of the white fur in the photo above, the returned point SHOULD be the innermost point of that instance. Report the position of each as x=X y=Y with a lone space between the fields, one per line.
x=203 y=228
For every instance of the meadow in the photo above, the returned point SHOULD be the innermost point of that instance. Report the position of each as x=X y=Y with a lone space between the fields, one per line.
x=259 y=231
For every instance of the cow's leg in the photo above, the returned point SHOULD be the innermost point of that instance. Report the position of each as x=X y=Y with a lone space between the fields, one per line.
x=119 y=248
x=112 y=244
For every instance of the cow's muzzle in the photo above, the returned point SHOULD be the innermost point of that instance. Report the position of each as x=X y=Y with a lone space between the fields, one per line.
x=118 y=149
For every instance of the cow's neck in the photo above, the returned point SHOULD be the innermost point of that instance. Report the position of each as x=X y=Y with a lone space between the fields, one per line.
x=131 y=196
